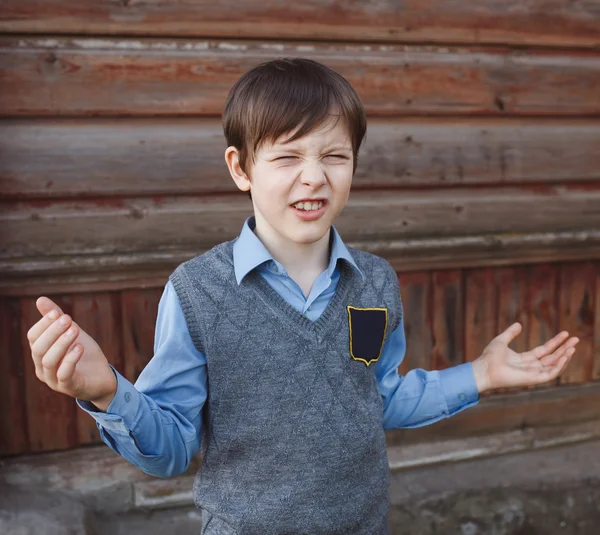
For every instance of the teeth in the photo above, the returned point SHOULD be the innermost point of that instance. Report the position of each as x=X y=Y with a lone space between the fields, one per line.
x=308 y=206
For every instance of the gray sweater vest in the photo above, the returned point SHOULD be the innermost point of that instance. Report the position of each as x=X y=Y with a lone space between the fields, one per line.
x=293 y=440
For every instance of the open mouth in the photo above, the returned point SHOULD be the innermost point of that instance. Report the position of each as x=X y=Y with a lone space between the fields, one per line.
x=310 y=209
x=309 y=206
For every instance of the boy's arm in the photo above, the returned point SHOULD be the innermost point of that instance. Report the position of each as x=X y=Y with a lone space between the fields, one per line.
x=420 y=397
x=157 y=424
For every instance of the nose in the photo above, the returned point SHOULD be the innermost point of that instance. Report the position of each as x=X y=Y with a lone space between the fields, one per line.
x=313 y=176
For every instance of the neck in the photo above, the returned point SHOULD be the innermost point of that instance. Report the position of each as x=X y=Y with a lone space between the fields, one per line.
x=299 y=259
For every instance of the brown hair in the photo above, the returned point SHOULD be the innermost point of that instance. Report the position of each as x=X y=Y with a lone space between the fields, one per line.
x=278 y=96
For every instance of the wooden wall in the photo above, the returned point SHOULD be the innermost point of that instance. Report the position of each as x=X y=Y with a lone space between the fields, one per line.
x=479 y=179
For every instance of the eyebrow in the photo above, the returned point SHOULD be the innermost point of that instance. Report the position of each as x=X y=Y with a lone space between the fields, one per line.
x=283 y=148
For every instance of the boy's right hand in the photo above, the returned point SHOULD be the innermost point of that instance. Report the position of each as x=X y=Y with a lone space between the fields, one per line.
x=67 y=359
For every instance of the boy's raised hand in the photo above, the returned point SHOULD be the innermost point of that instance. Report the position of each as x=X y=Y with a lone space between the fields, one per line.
x=501 y=367
x=67 y=359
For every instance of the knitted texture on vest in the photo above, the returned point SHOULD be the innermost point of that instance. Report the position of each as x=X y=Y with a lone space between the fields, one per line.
x=293 y=440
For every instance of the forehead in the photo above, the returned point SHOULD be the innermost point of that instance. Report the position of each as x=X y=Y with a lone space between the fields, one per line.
x=332 y=131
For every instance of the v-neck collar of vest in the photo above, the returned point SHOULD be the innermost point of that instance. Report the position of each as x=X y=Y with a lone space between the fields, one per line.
x=325 y=322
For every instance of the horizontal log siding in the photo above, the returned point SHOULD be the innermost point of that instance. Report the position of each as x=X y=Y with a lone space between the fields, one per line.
x=554 y=23
x=479 y=178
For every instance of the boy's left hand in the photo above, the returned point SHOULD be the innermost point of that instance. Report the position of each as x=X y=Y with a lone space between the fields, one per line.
x=501 y=367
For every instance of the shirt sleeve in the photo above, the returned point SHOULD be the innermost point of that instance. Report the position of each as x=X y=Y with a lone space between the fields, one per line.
x=157 y=424
x=420 y=397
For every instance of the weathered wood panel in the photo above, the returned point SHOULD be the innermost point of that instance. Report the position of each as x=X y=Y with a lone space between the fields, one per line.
x=442 y=328
x=481 y=310
x=596 y=371
x=51 y=417
x=543 y=305
x=447 y=319
x=543 y=22
x=513 y=303
x=139 y=311
x=111 y=272
x=100 y=317
x=66 y=158
x=529 y=408
x=69 y=77
x=121 y=226
x=416 y=290
x=576 y=315
x=13 y=419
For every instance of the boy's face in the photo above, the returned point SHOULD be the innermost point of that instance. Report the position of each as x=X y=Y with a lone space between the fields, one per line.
x=315 y=170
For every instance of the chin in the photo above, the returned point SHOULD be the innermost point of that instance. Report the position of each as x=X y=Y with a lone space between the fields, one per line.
x=309 y=236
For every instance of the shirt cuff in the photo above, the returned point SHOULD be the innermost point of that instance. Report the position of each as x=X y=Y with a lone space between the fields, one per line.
x=122 y=413
x=460 y=389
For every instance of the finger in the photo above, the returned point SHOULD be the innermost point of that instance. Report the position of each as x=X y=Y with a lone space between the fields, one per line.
x=34 y=333
x=45 y=305
x=55 y=354
x=550 y=345
x=67 y=366
x=552 y=372
x=48 y=337
x=510 y=334
x=550 y=360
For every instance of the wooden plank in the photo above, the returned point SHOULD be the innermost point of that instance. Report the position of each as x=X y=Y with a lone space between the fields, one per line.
x=481 y=310
x=530 y=408
x=13 y=418
x=576 y=315
x=74 y=77
x=417 y=295
x=99 y=316
x=448 y=319
x=139 y=309
x=513 y=303
x=39 y=229
x=534 y=22
x=113 y=272
x=543 y=306
x=596 y=371
x=51 y=416
x=103 y=157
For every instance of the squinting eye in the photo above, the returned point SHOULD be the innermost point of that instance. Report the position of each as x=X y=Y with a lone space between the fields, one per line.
x=338 y=156
x=284 y=158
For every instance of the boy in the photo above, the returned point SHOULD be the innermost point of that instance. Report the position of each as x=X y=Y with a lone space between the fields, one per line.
x=280 y=347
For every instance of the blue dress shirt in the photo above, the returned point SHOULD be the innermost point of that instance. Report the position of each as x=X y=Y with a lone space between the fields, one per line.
x=157 y=424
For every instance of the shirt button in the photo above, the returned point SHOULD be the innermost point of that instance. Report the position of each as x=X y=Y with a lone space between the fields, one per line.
x=128 y=396
x=462 y=397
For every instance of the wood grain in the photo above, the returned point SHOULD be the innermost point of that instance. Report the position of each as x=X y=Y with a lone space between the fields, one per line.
x=13 y=416
x=448 y=322
x=139 y=309
x=577 y=295
x=543 y=305
x=547 y=407
x=596 y=370
x=86 y=273
x=85 y=77
x=99 y=316
x=513 y=303
x=143 y=157
x=481 y=310
x=416 y=291
x=122 y=226
x=540 y=22
x=51 y=416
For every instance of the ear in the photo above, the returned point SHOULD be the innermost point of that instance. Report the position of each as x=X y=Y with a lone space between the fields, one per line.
x=240 y=178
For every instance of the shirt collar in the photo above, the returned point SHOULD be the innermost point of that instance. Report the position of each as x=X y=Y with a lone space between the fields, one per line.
x=249 y=252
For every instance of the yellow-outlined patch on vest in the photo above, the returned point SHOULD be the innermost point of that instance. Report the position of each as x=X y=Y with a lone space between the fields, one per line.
x=367 y=332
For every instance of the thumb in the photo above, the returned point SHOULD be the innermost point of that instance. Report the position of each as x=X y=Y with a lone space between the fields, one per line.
x=510 y=334
x=45 y=305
